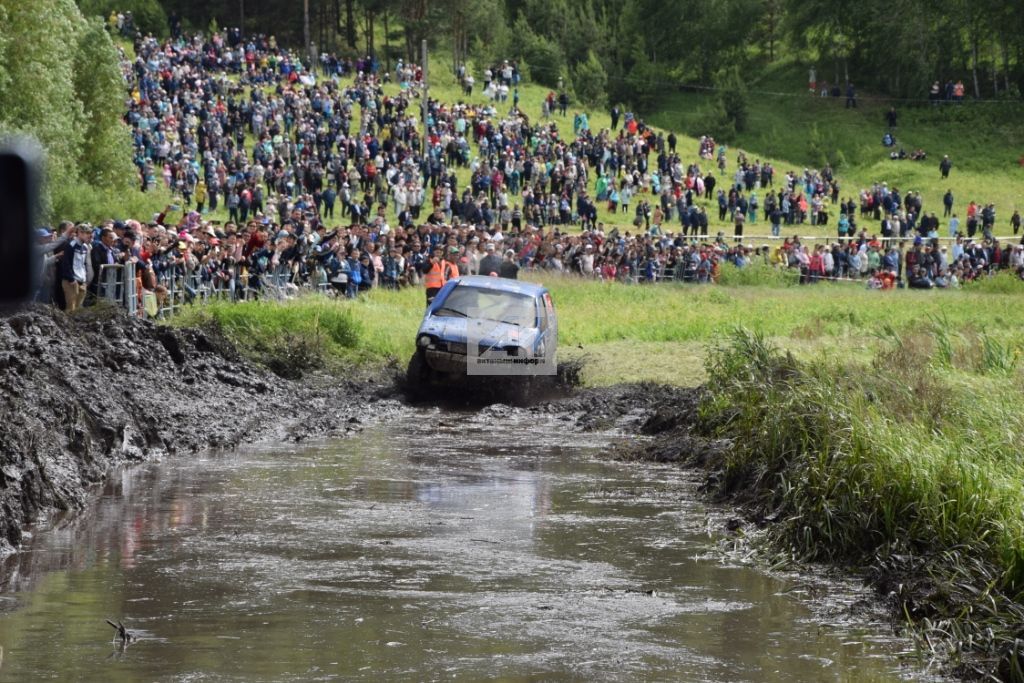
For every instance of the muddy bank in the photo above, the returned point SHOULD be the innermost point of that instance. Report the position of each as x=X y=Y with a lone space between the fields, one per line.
x=80 y=394
x=666 y=414
x=952 y=606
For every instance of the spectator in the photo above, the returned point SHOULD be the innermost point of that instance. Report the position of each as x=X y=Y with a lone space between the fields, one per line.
x=509 y=268
x=75 y=268
x=944 y=166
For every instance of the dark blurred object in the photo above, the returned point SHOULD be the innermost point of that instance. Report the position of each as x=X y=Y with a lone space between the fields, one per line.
x=19 y=197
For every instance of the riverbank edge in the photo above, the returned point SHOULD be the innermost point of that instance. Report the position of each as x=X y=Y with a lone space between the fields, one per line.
x=81 y=395
x=913 y=590
x=85 y=393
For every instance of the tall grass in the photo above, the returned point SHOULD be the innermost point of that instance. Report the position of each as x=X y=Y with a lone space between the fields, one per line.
x=757 y=274
x=905 y=457
x=290 y=338
x=640 y=332
x=1003 y=282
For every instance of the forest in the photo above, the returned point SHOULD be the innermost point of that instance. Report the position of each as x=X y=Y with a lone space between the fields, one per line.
x=630 y=51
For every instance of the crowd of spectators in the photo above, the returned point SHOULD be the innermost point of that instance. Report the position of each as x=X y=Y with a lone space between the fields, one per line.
x=330 y=183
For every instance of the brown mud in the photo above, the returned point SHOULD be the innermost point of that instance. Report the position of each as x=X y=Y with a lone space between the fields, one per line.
x=83 y=393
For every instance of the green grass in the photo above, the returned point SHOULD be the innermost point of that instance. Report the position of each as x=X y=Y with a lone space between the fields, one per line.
x=909 y=464
x=290 y=339
x=984 y=140
x=626 y=332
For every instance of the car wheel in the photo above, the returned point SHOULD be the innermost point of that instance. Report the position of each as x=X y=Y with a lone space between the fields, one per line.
x=417 y=376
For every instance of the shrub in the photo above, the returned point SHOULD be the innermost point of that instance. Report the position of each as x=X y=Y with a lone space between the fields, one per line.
x=546 y=60
x=1003 y=282
x=290 y=337
x=61 y=85
x=713 y=120
x=756 y=275
x=900 y=464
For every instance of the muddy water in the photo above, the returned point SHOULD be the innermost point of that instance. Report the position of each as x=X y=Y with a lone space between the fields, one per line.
x=431 y=546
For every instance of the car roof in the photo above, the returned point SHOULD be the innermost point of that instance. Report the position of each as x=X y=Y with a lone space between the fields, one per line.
x=502 y=284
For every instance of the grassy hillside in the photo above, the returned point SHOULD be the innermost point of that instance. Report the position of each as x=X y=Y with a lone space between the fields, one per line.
x=985 y=140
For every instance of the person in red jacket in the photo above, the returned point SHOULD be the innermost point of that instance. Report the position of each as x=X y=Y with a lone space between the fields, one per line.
x=816 y=267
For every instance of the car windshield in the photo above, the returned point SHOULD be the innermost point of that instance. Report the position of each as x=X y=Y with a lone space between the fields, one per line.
x=490 y=304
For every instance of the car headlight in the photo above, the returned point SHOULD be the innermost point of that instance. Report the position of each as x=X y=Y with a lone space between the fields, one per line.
x=424 y=340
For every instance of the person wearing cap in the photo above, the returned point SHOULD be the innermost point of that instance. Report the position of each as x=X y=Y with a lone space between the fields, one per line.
x=509 y=268
x=491 y=262
x=454 y=257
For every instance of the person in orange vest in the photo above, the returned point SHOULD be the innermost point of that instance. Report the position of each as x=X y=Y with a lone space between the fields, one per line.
x=437 y=271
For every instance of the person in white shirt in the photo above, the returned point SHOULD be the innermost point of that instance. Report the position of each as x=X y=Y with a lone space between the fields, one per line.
x=587 y=260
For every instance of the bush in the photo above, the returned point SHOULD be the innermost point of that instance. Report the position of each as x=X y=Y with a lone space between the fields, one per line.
x=713 y=120
x=822 y=149
x=61 y=85
x=899 y=465
x=641 y=85
x=546 y=60
x=289 y=337
x=84 y=202
x=1003 y=282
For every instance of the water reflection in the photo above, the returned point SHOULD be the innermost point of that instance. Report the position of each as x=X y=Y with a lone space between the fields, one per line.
x=471 y=548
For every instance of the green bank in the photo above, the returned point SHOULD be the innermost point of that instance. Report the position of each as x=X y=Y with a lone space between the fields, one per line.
x=628 y=332
x=906 y=465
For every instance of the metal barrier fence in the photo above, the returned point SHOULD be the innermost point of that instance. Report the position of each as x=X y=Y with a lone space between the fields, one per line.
x=177 y=286
x=117 y=285
x=829 y=239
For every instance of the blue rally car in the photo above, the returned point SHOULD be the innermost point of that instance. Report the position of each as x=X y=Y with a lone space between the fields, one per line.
x=486 y=327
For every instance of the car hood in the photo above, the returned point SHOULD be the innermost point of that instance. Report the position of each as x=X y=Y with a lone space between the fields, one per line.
x=454 y=329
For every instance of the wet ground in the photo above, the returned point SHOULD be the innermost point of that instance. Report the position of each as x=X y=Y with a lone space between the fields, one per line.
x=433 y=545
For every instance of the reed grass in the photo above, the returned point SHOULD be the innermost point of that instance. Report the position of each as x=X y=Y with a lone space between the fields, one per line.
x=914 y=455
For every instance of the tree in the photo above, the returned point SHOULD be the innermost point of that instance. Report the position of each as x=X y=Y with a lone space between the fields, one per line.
x=733 y=95
x=771 y=26
x=40 y=98
x=106 y=147
x=147 y=15
x=60 y=82
x=545 y=58
x=591 y=81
